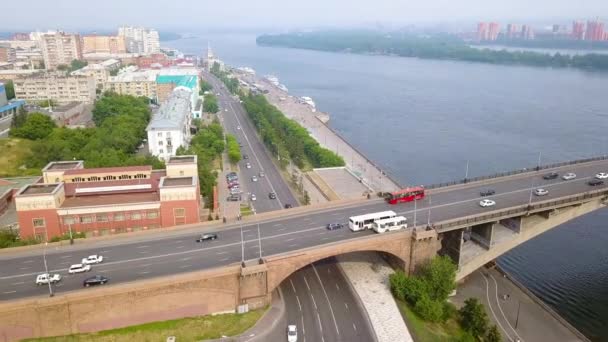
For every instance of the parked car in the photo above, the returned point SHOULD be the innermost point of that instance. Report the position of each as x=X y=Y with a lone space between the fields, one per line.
x=487 y=203
x=551 y=175
x=79 y=268
x=272 y=195
x=487 y=192
x=95 y=280
x=595 y=182
x=292 y=333
x=207 y=237
x=541 y=192
x=601 y=175
x=233 y=198
x=287 y=206
x=92 y=259
x=569 y=176
x=45 y=278
x=334 y=226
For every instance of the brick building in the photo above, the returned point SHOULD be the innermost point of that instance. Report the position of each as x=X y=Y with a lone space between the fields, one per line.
x=112 y=200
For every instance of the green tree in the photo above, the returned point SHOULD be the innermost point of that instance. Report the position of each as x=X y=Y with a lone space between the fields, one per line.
x=210 y=104
x=19 y=118
x=37 y=126
x=205 y=86
x=473 y=318
x=47 y=103
x=439 y=276
x=234 y=152
x=10 y=90
x=63 y=67
x=77 y=64
x=493 y=335
x=428 y=309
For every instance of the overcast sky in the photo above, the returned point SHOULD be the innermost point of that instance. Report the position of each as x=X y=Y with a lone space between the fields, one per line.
x=167 y=14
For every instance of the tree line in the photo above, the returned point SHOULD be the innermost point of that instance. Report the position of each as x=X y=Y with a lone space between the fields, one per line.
x=440 y=46
x=286 y=138
x=232 y=84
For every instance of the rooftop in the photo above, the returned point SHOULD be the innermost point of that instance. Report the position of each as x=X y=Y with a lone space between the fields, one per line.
x=63 y=165
x=135 y=76
x=177 y=181
x=39 y=189
x=110 y=199
x=143 y=168
x=67 y=106
x=7 y=184
x=182 y=159
x=110 y=62
x=188 y=81
x=174 y=112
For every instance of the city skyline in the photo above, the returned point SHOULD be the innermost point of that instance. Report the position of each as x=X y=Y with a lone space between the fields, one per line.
x=269 y=13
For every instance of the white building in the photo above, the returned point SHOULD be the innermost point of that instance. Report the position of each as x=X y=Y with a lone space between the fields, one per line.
x=140 y=40
x=59 y=89
x=135 y=83
x=170 y=125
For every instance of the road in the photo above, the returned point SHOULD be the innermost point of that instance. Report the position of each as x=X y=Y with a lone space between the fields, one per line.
x=130 y=259
x=237 y=123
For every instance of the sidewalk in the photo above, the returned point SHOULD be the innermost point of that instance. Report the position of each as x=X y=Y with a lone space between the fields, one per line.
x=368 y=274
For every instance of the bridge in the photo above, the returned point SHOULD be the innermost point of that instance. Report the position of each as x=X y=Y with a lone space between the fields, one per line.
x=250 y=260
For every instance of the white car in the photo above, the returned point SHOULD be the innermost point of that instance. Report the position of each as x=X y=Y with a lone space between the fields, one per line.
x=225 y=110
x=253 y=198
x=541 y=192
x=487 y=203
x=45 y=278
x=238 y=127
x=248 y=165
x=79 y=268
x=569 y=176
x=92 y=259
x=254 y=179
x=292 y=333
x=601 y=175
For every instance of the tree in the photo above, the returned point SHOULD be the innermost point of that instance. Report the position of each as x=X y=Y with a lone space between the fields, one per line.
x=37 y=126
x=210 y=104
x=77 y=64
x=19 y=118
x=306 y=198
x=430 y=310
x=205 y=86
x=10 y=90
x=63 y=67
x=473 y=318
x=493 y=335
x=439 y=276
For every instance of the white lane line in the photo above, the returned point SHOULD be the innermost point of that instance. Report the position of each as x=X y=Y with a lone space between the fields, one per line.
x=144 y=272
x=220 y=253
x=292 y=245
x=28 y=261
x=65 y=256
x=292 y=286
x=306 y=282
x=322 y=233
x=143 y=252
x=185 y=259
x=354 y=327
x=179 y=241
x=337 y=287
x=346 y=305
x=502 y=312
x=24 y=268
x=224 y=259
x=288 y=240
x=306 y=219
x=276 y=225
x=178 y=247
x=299 y=304
x=320 y=327
x=331 y=309
x=105 y=251
x=19 y=283
x=146 y=265
x=492 y=310
x=325 y=238
x=303 y=329
x=9 y=292
x=184 y=266
x=144 y=246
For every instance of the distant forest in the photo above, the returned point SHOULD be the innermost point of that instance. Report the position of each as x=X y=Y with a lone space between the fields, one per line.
x=441 y=46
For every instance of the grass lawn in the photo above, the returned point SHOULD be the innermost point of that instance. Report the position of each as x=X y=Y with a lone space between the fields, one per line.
x=246 y=210
x=430 y=332
x=187 y=329
x=12 y=156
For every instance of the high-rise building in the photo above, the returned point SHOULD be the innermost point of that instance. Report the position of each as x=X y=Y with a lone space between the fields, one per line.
x=595 y=30
x=526 y=32
x=512 y=31
x=482 y=31
x=60 y=48
x=103 y=44
x=140 y=40
x=21 y=36
x=7 y=54
x=578 y=30
x=493 y=31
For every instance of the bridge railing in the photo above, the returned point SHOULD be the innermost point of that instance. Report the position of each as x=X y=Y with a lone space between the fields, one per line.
x=521 y=209
x=515 y=172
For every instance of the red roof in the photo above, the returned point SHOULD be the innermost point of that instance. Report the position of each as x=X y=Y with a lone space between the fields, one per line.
x=406 y=190
x=142 y=168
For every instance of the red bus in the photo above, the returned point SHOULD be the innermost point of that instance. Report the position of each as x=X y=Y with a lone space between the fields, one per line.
x=406 y=195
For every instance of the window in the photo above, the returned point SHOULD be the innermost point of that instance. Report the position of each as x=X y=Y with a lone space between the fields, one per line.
x=140 y=176
x=152 y=214
x=107 y=178
x=78 y=179
x=86 y=219
x=68 y=220
x=161 y=151
x=123 y=177
x=181 y=172
x=160 y=143
x=159 y=134
x=135 y=216
x=38 y=222
x=119 y=217
x=102 y=218
x=179 y=212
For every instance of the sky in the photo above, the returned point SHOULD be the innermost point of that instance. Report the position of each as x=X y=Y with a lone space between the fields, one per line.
x=288 y=14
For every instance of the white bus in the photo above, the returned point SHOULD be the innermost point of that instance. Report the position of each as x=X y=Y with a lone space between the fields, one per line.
x=390 y=224
x=356 y=223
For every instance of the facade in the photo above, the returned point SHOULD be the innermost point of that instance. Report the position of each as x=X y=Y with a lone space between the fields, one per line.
x=12 y=74
x=493 y=31
x=8 y=108
x=512 y=31
x=595 y=31
x=60 y=89
x=482 y=31
x=168 y=79
x=7 y=54
x=156 y=60
x=578 y=30
x=96 y=71
x=170 y=125
x=60 y=48
x=140 y=40
x=526 y=32
x=108 y=200
x=103 y=44
x=136 y=83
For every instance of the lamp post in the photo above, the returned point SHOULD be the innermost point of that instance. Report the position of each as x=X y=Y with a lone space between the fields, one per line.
x=517 y=318
x=538 y=165
x=428 y=222
x=466 y=172
x=242 y=246
x=415 y=209
x=46 y=268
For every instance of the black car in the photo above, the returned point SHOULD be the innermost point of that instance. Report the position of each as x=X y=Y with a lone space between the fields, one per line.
x=333 y=226
x=234 y=198
x=287 y=206
x=487 y=192
x=245 y=156
x=207 y=237
x=95 y=280
x=272 y=195
x=551 y=175
x=595 y=182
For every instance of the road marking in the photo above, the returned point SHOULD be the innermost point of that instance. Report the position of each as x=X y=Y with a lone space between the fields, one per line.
x=306 y=281
x=491 y=309
x=144 y=246
x=65 y=256
x=184 y=266
x=179 y=241
x=281 y=229
x=288 y=240
x=276 y=225
x=28 y=261
x=146 y=265
x=325 y=238
x=24 y=268
x=19 y=283
x=9 y=292
x=303 y=328
x=224 y=259
x=144 y=272
x=346 y=305
x=178 y=247
x=105 y=251
x=337 y=287
x=322 y=233
x=185 y=259
x=331 y=309
x=143 y=252
x=354 y=327
x=320 y=327
x=502 y=312
x=293 y=287
x=220 y=253
x=292 y=245
x=299 y=304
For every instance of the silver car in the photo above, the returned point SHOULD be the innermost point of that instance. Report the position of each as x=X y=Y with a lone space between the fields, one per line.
x=569 y=176
x=541 y=192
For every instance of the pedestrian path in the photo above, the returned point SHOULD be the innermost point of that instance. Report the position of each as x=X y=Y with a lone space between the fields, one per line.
x=368 y=273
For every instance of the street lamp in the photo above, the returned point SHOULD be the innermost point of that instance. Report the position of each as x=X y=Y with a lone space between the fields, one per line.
x=46 y=268
x=415 y=209
x=428 y=222
x=538 y=165
x=466 y=172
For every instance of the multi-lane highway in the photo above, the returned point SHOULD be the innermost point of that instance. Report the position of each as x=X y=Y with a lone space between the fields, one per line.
x=129 y=259
x=237 y=123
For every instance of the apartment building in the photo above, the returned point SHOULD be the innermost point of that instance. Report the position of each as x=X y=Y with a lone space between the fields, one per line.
x=61 y=89
x=140 y=39
x=136 y=83
x=103 y=44
x=96 y=71
x=60 y=48
x=170 y=125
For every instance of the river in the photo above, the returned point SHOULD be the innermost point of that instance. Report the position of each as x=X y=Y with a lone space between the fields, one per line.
x=423 y=120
